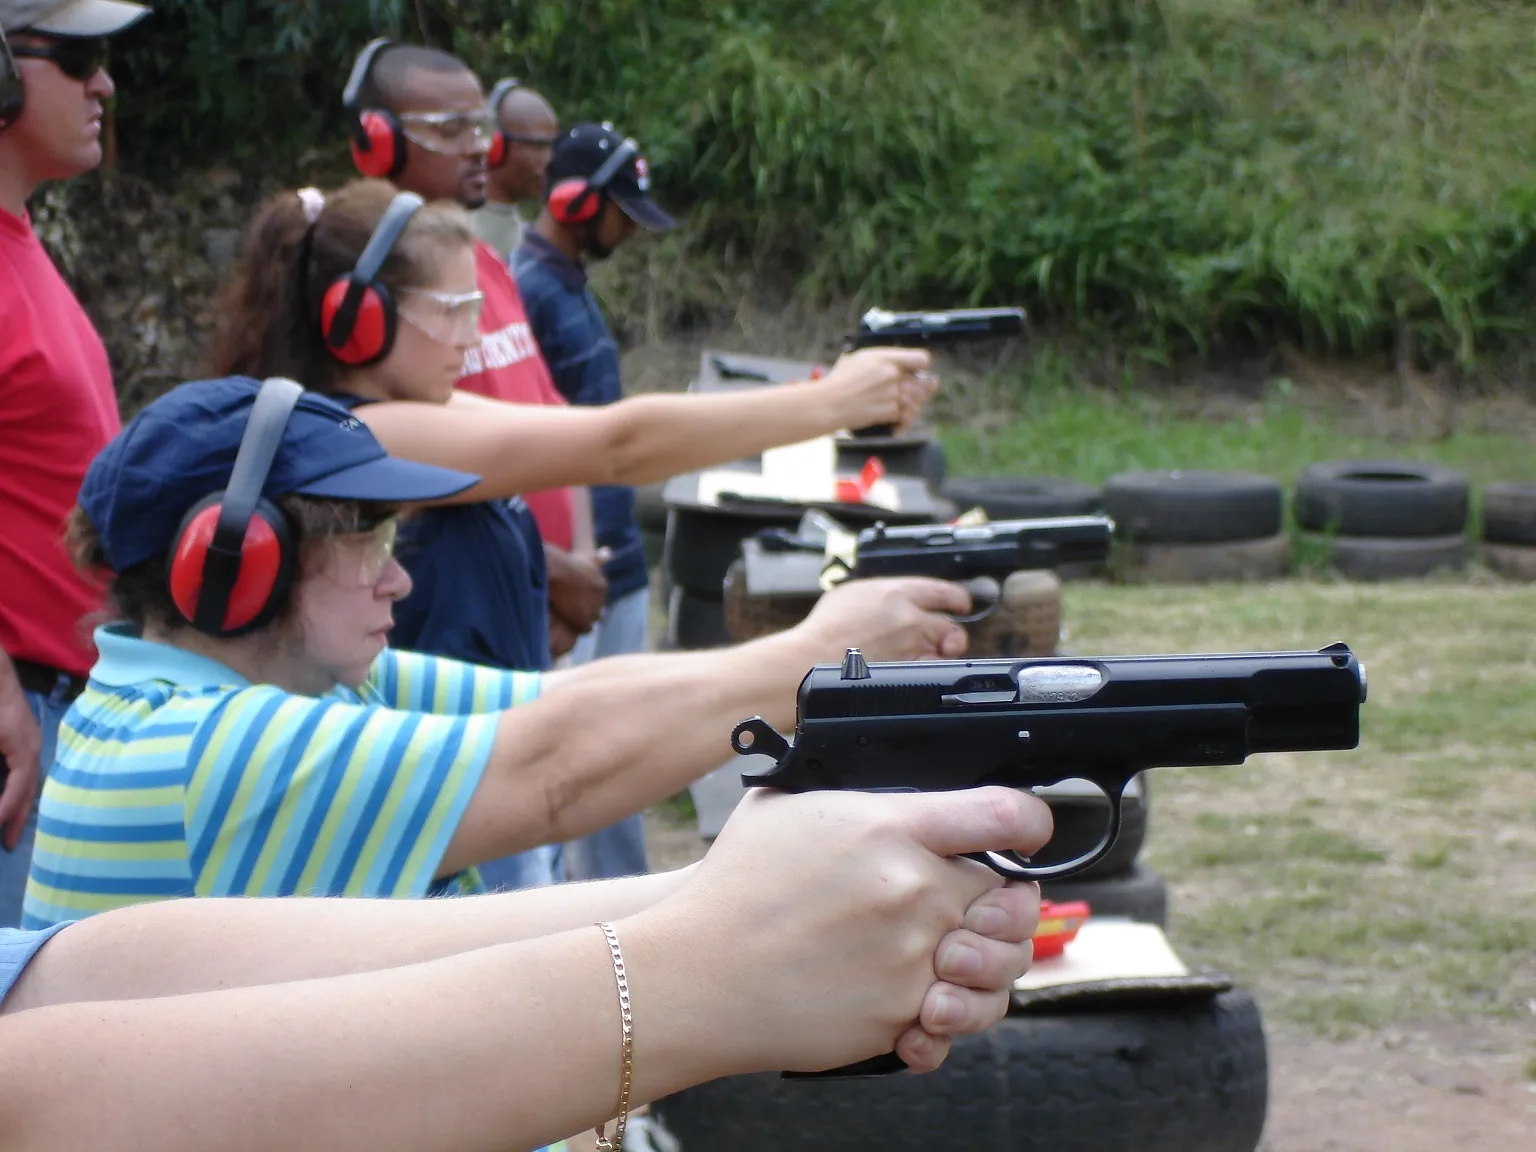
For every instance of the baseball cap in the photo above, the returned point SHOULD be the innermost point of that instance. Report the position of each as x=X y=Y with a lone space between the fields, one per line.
x=85 y=19
x=581 y=151
x=182 y=446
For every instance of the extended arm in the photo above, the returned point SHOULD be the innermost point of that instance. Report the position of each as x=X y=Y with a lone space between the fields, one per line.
x=819 y=931
x=609 y=739
x=181 y=946
x=643 y=439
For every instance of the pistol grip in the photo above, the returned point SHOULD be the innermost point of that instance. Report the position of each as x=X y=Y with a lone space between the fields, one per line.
x=875 y=1066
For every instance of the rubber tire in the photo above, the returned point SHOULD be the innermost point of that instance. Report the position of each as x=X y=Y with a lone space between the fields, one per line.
x=1189 y=507
x=1022 y=497
x=1137 y=893
x=1509 y=514
x=1393 y=558
x=1400 y=499
x=1511 y=561
x=1265 y=559
x=1079 y=823
x=694 y=622
x=1183 y=1076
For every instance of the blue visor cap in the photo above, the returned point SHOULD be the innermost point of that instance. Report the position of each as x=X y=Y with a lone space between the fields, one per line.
x=181 y=448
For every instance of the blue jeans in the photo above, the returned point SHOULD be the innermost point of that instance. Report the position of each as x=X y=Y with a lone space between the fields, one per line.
x=47 y=710
x=618 y=850
x=536 y=868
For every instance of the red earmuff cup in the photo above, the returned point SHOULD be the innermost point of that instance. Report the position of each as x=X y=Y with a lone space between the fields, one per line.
x=379 y=160
x=567 y=205
x=260 y=564
x=371 y=329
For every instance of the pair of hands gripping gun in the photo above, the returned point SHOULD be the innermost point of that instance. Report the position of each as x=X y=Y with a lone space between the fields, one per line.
x=1027 y=723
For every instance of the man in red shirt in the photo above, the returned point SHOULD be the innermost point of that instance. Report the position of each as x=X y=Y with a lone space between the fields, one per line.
x=57 y=404
x=444 y=130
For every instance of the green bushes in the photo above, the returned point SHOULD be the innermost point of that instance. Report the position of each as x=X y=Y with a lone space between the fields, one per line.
x=1183 y=175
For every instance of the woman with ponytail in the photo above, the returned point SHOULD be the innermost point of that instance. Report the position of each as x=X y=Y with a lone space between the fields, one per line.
x=476 y=561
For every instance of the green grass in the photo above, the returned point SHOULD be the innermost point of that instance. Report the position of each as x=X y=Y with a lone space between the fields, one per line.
x=1390 y=884
x=1036 y=422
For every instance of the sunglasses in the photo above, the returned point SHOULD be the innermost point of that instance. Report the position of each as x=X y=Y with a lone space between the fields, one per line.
x=77 y=59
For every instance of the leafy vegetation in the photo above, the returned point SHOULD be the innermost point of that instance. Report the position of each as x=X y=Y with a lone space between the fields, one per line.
x=1180 y=176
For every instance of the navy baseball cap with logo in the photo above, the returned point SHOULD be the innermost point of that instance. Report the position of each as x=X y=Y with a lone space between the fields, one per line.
x=182 y=447
x=583 y=149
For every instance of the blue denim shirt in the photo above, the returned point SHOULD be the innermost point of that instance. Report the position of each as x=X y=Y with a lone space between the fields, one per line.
x=583 y=358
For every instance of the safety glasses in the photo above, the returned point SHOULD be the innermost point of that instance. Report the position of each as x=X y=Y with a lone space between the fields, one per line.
x=363 y=564
x=450 y=133
x=447 y=317
x=77 y=59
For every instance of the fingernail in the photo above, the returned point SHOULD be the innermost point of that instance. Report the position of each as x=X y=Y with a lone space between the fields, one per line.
x=947 y=1009
x=961 y=960
x=985 y=920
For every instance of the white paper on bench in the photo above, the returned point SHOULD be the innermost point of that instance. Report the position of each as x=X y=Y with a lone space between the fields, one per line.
x=1107 y=949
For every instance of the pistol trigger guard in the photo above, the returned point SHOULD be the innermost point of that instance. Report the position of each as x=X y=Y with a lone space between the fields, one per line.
x=981 y=587
x=1011 y=866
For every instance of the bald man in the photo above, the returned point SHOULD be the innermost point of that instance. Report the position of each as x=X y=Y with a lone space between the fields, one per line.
x=528 y=126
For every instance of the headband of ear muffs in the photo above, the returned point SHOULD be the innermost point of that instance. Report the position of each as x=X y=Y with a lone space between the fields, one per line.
x=378 y=137
x=234 y=554
x=496 y=155
x=358 y=320
x=577 y=199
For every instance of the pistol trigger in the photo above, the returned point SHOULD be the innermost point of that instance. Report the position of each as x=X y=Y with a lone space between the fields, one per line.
x=983 y=590
x=758 y=737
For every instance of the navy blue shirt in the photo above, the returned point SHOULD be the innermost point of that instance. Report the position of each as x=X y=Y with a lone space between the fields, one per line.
x=583 y=359
x=479 y=591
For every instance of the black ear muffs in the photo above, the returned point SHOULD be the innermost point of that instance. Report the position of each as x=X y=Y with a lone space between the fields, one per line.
x=13 y=96
x=496 y=155
x=358 y=320
x=378 y=137
x=577 y=200
x=235 y=553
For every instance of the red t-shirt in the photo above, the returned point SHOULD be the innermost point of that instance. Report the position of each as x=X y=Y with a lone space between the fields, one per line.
x=508 y=366
x=57 y=410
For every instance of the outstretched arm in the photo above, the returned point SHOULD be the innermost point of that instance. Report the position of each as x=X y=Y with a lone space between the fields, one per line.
x=527 y=447
x=824 y=929
x=611 y=738
x=180 y=946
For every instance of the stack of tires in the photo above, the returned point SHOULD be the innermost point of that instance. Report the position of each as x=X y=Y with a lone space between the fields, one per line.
x=1384 y=519
x=1509 y=530
x=1188 y=527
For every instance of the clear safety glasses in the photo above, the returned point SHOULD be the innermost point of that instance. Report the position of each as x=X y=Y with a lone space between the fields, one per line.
x=450 y=133
x=447 y=317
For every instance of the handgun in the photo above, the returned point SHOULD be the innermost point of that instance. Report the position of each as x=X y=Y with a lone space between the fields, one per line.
x=879 y=328
x=996 y=548
x=939 y=725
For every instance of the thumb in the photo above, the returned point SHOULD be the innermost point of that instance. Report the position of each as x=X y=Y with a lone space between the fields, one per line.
x=991 y=819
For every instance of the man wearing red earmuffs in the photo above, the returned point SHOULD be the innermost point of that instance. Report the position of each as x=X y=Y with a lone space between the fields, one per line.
x=526 y=130
x=57 y=403
x=598 y=193
x=420 y=120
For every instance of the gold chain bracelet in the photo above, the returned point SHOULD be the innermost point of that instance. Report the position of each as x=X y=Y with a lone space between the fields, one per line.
x=626 y=1076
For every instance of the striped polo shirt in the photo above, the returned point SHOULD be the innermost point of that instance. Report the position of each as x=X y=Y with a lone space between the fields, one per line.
x=175 y=776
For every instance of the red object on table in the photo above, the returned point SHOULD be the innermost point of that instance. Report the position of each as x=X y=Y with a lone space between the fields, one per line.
x=1058 y=926
x=855 y=491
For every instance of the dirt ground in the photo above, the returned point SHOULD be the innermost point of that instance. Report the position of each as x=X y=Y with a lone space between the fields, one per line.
x=1461 y=1088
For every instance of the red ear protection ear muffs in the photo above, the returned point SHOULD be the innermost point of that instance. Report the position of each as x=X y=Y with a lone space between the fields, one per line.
x=576 y=200
x=234 y=554
x=357 y=316
x=496 y=155
x=12 y=95
x=378 y=137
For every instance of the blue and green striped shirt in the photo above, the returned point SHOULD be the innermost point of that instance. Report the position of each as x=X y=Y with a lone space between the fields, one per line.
x=177 y=777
